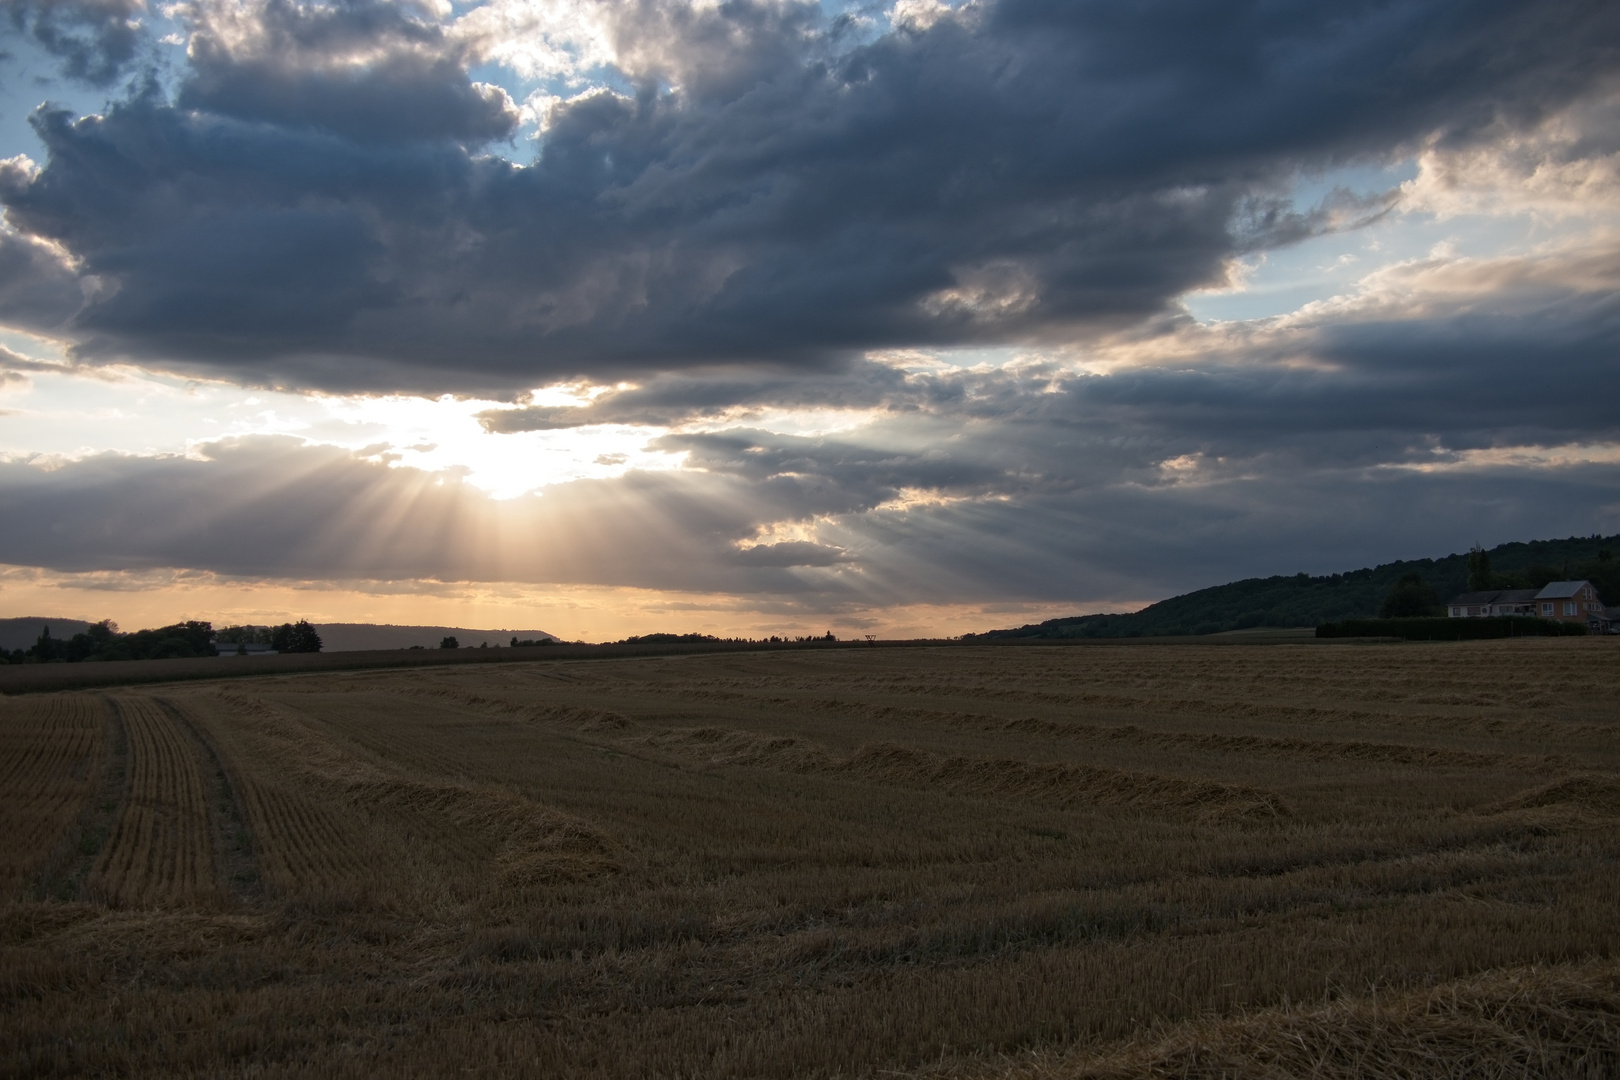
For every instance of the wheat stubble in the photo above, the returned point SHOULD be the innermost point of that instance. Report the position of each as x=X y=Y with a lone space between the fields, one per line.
x=1131 y=861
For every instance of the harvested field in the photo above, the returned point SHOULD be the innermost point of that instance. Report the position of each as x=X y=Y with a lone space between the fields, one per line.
x=1098 y=861
x=51 y=752
x=161 y=851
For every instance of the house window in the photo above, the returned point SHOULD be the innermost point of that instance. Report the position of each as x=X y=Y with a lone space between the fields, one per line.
x=1455 y=612
x=1546 y=609
x=1569 y=607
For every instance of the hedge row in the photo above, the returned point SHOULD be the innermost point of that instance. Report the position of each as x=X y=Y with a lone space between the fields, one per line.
x=1451 y=629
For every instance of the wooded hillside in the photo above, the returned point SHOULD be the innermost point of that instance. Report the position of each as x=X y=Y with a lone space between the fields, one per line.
x=1303 y=600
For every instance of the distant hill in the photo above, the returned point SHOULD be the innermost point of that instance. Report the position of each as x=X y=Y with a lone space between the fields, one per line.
x=356 y=637
x=23 y=632
x=1303 y=600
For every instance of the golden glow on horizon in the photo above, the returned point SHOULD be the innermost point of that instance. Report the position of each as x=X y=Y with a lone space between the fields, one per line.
x=588 y=613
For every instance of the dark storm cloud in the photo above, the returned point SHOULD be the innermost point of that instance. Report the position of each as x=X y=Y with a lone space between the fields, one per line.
x=369 y=71
x=94 y=40
x=1509 y=352
x=1499 y=354
x=1298 y=447
x=37 y=289
x=1022 y=171
x=1261 y=419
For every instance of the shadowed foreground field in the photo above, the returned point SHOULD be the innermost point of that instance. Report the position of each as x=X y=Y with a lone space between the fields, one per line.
x=1291 y=860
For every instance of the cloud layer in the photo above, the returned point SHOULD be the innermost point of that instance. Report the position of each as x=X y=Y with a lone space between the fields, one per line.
x=906 y=294
x=315 y=203
x=1309 y=443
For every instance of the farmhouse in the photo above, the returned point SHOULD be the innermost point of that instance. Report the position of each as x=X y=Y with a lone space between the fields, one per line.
x=1562 y=601
x=251 y=648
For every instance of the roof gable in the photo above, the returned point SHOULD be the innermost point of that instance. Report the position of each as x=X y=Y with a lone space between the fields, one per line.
x=1560 y=590
x=1494 y=596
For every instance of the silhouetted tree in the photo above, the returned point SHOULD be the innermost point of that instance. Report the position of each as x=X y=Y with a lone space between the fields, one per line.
x=295 y=637
x=46 y=648
x=304 y=638
x=1411 y=598
x=1479 y=570
x=449 y=643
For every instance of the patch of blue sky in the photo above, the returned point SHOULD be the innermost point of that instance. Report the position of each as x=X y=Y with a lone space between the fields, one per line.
x=30 y=77
x=1281 y=281
x=1310 y=189
x=521 y=89
x=868 y=21
x=32 y=347
x=864 y=19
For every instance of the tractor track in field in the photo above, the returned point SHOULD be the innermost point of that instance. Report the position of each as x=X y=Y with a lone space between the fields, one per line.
x=236 y=867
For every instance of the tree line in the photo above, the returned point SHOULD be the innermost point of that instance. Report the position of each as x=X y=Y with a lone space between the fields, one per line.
x=299 y=637
x=1603 y=571
x=104 y=641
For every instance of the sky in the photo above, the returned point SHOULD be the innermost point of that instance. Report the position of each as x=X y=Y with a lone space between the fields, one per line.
x=777 y=317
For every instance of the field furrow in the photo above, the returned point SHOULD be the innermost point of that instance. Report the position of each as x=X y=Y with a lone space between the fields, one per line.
x=161 y=850
x=50 y=757
x=330 y=819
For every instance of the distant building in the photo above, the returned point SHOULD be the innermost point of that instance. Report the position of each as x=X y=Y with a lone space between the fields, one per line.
x=1573 y=601
x=1492 y=603
x=231 y=648
x=1561 y=601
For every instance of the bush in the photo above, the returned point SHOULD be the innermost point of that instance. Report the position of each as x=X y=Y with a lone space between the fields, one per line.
x=1411 y=598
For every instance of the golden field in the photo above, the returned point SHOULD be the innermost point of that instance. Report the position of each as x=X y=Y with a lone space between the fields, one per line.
x=1097 y=860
